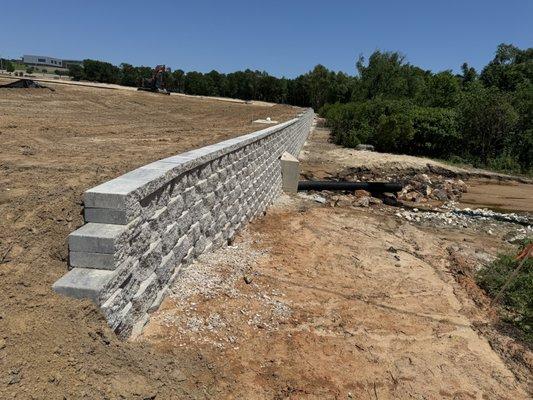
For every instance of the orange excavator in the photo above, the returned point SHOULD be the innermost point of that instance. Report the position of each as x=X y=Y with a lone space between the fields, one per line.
x=156 y=83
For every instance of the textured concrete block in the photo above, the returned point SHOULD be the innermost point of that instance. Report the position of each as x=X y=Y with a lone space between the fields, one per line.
x=105 y=216
x=158 y=300
x=92 y=260
x=145 y=295
x=83 y=283
x=96 y=238
x=166 y=268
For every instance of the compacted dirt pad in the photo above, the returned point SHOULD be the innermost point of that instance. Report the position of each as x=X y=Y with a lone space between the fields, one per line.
x=54 y=146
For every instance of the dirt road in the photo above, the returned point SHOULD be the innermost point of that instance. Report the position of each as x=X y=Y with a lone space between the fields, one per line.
x=55 y=145
x=317 y=302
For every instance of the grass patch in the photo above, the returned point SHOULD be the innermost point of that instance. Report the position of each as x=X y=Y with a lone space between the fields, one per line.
x=517 y=300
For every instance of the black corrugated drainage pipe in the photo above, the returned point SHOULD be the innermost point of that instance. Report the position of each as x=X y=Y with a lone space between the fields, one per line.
x=372 y=187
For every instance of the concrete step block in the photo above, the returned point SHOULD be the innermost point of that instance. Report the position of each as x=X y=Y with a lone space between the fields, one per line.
x=96 y=238
x=105 y=216
x=83 y=283
x=290 y=171
x=92 y=260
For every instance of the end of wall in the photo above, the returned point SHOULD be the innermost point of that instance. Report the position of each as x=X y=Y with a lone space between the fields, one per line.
x=290 y=172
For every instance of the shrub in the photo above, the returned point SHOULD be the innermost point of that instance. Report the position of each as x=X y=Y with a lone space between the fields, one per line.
x=517 y=300
x=487 y=121
x=76 y=72
x=435 y=132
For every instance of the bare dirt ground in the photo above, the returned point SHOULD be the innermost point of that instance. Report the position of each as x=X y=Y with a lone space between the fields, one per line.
x=504 y=196
x=323 y=302
x=309 y=302
x=54 y=146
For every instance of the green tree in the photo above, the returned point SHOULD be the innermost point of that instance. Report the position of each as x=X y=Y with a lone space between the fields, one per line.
x=178 y=81
x=510 y=68
x=487 y=121
x=129 y=76
x=99 y=71
x=469 y=74
x=436 y=132
x=442 y=90
x=76 y=72
x=385 y=75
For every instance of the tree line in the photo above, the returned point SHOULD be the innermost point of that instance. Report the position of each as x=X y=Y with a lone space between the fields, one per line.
x=483 y=118
x=306 y=90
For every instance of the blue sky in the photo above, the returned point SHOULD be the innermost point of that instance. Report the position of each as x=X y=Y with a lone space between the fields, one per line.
x=285 y=38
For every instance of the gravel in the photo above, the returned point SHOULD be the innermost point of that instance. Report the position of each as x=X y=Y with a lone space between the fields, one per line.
x=518 y=226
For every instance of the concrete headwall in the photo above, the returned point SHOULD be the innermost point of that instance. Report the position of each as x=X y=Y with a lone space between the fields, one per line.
x=142 y=227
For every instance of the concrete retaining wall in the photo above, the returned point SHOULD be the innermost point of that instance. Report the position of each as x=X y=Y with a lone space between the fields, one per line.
x=142 y=227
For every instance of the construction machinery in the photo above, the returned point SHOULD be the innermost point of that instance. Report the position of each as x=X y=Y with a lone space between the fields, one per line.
x=156 y=82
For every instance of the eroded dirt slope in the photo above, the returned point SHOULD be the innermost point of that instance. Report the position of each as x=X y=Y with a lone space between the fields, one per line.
x=55 y=145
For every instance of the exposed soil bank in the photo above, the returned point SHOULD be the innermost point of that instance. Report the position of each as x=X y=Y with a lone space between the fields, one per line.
x=325 y=303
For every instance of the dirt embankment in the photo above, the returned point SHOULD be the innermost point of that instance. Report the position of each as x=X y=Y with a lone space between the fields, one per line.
x=55 y=145
x=496 y=191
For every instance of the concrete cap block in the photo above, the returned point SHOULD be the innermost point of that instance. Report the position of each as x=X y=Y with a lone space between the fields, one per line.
x=115 y=193
x=286 y=156
x=178 y=160
x=96 y=238
x=83 y=283
x=110 y=194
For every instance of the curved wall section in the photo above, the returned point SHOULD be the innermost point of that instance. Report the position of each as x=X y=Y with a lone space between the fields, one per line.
x=143 y=226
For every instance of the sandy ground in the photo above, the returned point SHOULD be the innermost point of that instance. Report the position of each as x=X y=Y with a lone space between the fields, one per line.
x=503 y=196
x=55 y=145
x=317 y=302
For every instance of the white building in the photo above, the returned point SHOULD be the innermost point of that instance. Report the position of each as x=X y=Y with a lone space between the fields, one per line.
x=42 y=61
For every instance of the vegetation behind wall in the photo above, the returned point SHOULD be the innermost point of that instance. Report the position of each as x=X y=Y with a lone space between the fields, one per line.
x=483 y=119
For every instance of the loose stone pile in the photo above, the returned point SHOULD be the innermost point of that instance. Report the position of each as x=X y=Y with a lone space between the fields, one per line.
x=417 y=187
x=421 y=187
